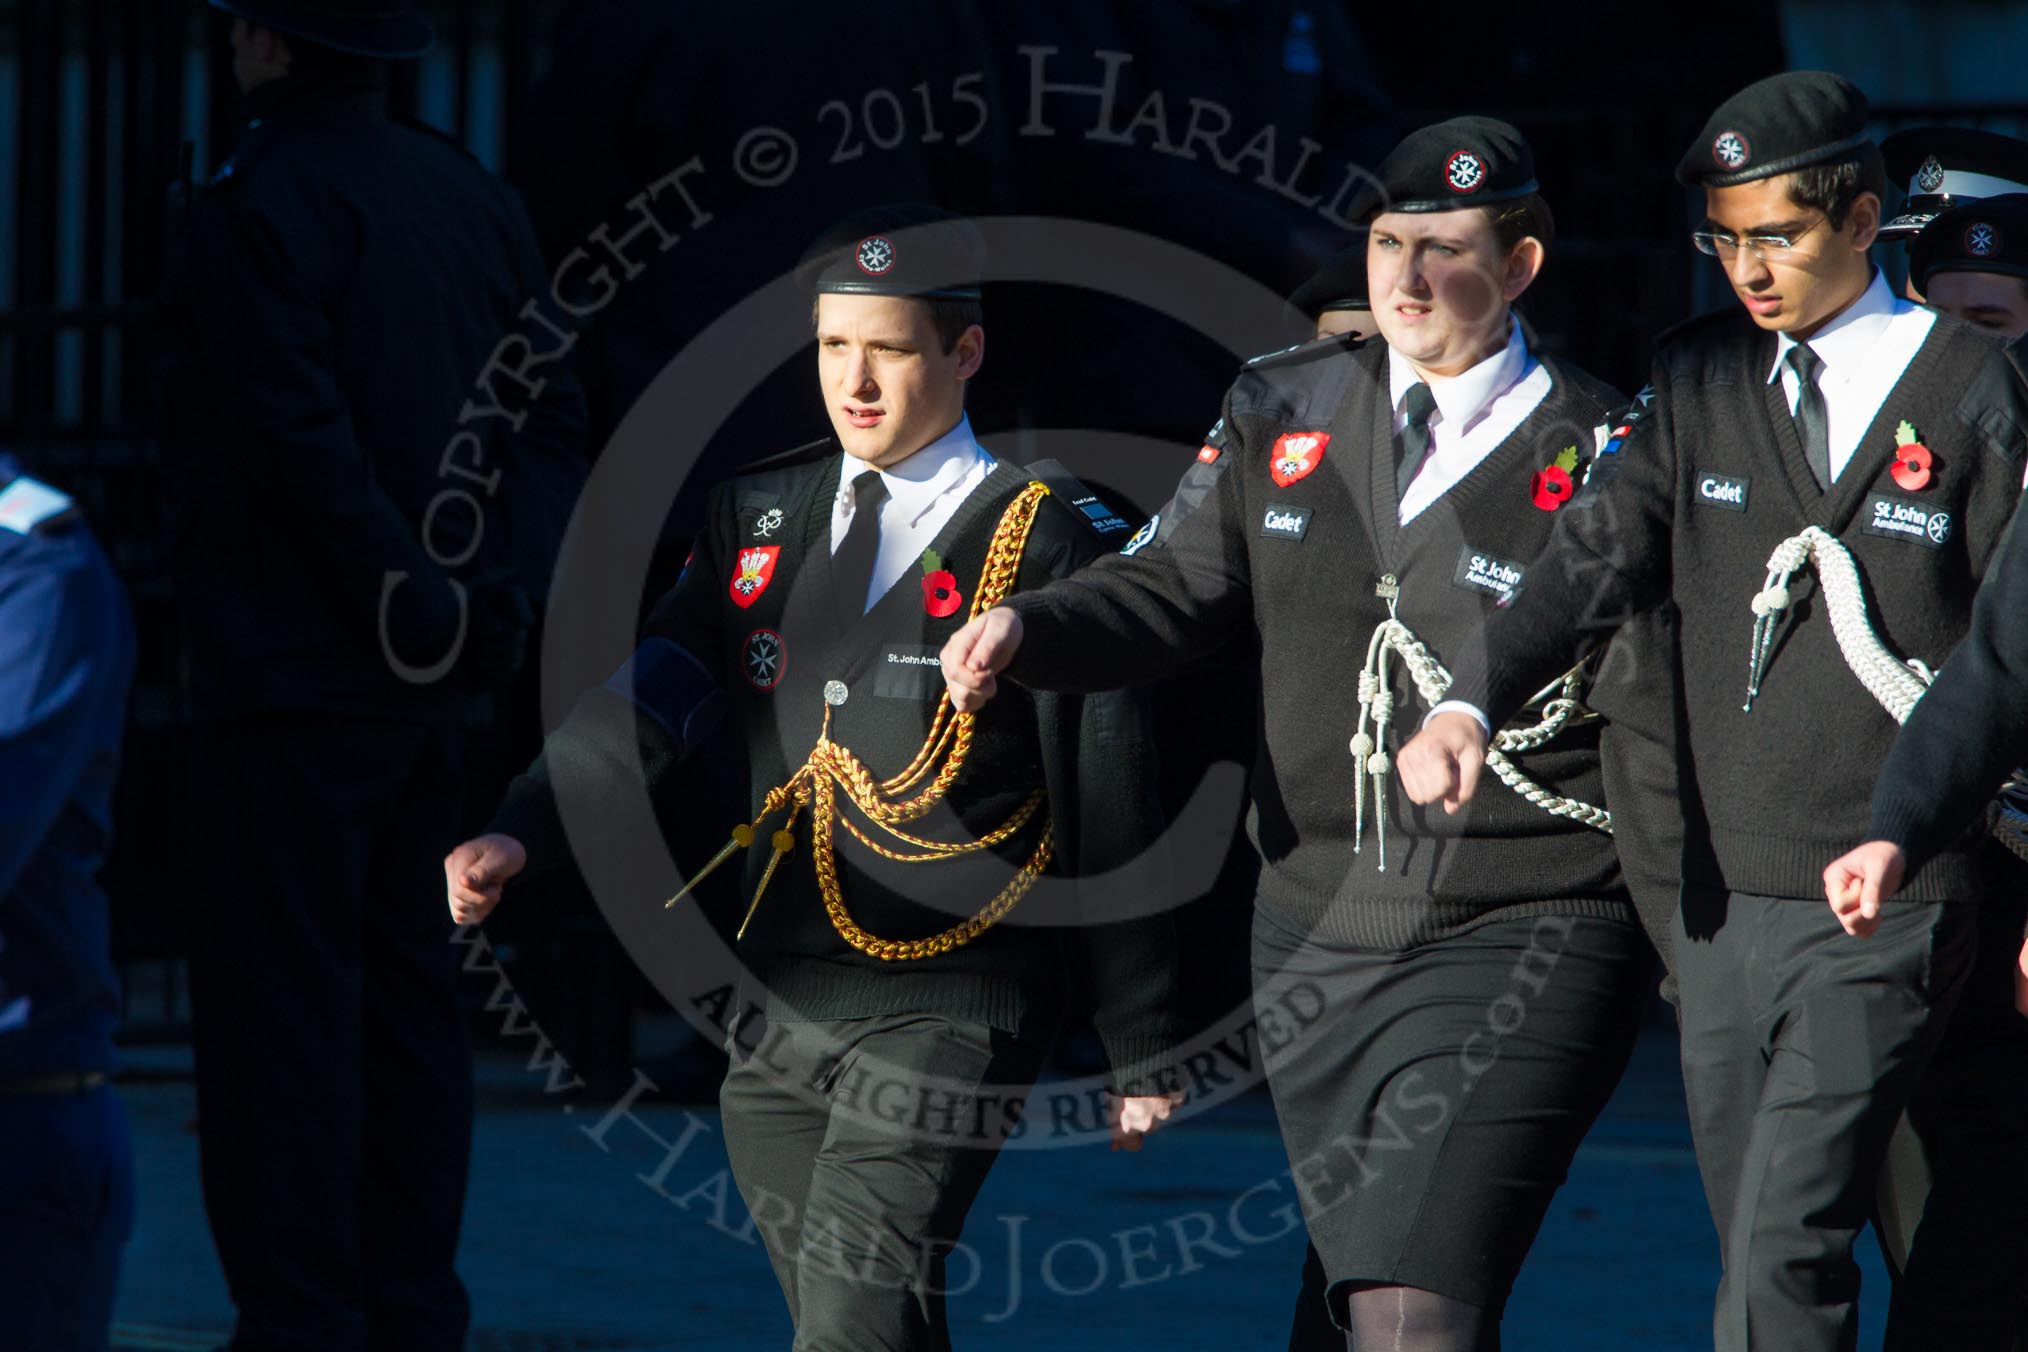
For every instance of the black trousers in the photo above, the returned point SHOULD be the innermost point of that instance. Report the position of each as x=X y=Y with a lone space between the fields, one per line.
x=1801 y=1047
x=1961 y=1175
x=333 y=1073
x=859 y=1145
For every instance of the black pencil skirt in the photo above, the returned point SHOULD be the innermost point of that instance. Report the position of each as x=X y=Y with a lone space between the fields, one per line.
x=1431 y=1101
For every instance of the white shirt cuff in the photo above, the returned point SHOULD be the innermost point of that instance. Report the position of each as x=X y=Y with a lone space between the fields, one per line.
x=1458 y=706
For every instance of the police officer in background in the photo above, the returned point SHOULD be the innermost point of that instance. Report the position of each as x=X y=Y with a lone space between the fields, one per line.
x=344 y=282
x=66 y=1169
x=1938 y=168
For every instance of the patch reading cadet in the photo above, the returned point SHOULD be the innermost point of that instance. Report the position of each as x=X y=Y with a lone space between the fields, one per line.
x=909 y=671
x=1480 y=572
x=1897 y=518
x=1284 y=521
x=1722 y=490
x=763 y=659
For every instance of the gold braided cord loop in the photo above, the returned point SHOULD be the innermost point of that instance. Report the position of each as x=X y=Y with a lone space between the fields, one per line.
x=832 y=768
x=1894 y=683
x=1432 y=681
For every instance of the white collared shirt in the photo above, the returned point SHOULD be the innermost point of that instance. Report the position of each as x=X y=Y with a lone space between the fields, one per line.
x=1476 y=410
x=1864 y=349
x=923 y=493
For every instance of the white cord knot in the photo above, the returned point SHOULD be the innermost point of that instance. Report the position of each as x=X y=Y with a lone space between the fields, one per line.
x=1770 y=600
x=1362 y=747
x=1377 y=764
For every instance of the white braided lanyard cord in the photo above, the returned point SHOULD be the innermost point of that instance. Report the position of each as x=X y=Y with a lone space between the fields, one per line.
x=1896 y=684
x=1432 y=681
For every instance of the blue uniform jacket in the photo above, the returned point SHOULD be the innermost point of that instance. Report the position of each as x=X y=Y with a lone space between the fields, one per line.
x=66 y=660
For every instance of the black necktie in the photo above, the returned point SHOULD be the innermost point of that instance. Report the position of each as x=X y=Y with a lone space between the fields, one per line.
x=1813 y=424
x=852 y=564
x=1419 y=403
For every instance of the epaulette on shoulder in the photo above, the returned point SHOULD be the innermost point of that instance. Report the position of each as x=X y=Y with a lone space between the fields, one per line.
x=438 y=134
x=1108 y=525
x=808 y=454
x=1579 y=381
x=252 y=144
x=1692 y=349
x=1314 y=349
x=1305 y=383
x=31 y=507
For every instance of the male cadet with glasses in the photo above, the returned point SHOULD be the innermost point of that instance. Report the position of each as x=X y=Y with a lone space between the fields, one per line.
x=811 y=613
x=1832 y=421
x=1938 y=168
x=66 y=1164
x=355 y=550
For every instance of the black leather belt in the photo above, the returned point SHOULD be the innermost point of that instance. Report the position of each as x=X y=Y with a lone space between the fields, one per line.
x=55 y=1084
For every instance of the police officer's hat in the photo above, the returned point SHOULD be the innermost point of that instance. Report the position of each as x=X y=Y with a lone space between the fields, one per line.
x=1465 y=162
x=908 y=249
x=1340 y=284
x=390 y=29
x=1987 y=235
x=1939 y=167
x=1776 y=126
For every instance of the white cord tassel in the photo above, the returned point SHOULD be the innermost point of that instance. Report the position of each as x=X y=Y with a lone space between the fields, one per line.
x=1559 y=703
x=1896 y=684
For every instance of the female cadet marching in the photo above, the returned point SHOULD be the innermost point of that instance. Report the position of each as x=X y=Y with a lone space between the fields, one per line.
x=1363 y=506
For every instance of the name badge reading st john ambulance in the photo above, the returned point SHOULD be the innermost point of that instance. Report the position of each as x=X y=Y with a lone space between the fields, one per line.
x=1480 y=572
x=1894 y=517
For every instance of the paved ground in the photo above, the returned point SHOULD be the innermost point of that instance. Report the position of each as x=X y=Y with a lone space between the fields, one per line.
x=566 y=1247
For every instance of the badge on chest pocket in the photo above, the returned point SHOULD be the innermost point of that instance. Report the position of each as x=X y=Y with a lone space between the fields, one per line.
x=1479 y=571
x=1893 y=517
x=1722 y=490
x=909 y=671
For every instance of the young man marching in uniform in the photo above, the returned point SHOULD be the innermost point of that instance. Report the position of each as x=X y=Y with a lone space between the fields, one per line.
x=1835 y=427
x=1364 y=505
x=812 y=611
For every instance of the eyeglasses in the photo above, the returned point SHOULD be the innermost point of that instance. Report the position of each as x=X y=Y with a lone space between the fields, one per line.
x=1722 y=244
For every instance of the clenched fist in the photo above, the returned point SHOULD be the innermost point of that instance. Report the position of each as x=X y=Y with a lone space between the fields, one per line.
x=977 y=654
x=475 y=872
x=1441 y=763
x=1856 y=883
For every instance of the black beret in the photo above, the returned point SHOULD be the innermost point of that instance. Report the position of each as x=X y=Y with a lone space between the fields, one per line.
x=1340 y=284
x=1988 y=235
x=906 y=249
x=1776 y=125
x=1939 y=167
x=1465 y=162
